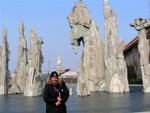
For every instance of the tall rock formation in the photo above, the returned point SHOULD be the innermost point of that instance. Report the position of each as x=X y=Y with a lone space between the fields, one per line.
x=4 y=59
x=143 y=26
x=22 y=65
x=116 y=70
x=21 y=72
x=33 y=82
x=91 y=67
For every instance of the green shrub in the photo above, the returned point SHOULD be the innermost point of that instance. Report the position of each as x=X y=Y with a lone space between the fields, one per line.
x=135 y=81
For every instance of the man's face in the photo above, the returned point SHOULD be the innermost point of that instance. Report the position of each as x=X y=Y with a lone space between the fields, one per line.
x=54 y=80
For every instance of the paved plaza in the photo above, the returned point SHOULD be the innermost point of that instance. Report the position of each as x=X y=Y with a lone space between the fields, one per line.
x=100 y=102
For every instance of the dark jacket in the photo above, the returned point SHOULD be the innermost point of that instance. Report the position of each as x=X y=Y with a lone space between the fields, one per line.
x=50 y=94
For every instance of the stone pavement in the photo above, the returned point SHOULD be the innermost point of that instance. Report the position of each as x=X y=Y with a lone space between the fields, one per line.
x=100 y=102
x=103 y=102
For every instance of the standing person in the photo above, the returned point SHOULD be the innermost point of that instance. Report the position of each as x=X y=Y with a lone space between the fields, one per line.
x=55 y=94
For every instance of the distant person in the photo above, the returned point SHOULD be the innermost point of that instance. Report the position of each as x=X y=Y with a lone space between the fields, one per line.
x=55 y=94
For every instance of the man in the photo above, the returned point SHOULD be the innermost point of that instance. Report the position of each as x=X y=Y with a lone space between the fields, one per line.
x=55 y=94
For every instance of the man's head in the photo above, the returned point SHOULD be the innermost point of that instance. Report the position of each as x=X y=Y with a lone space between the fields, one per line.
x=54 y=77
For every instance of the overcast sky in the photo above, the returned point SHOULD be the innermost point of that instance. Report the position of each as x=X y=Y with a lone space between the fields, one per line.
x=49 y=17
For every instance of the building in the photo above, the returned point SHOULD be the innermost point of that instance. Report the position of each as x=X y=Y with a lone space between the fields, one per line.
x=132 y=57
x=69 y=77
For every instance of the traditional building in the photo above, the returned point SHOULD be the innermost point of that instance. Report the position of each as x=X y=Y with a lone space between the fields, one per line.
x=132 y=57
x=69 y=77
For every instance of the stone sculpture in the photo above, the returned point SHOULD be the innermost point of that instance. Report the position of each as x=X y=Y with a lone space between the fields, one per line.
x=58 y=65
x=33 y=81
x=21 y=74
x=4 y=59
x=114 y=59
x=143 y=26
x=91 y=67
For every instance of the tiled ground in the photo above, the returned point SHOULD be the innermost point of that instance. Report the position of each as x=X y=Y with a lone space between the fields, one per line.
x=100 y=102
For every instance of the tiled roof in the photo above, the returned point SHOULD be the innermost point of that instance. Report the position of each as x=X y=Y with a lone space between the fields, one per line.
x=69 y=74
x=131 y=43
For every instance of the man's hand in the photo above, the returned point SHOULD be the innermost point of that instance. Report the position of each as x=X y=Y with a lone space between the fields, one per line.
x=59 y=99
x=57 y=103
